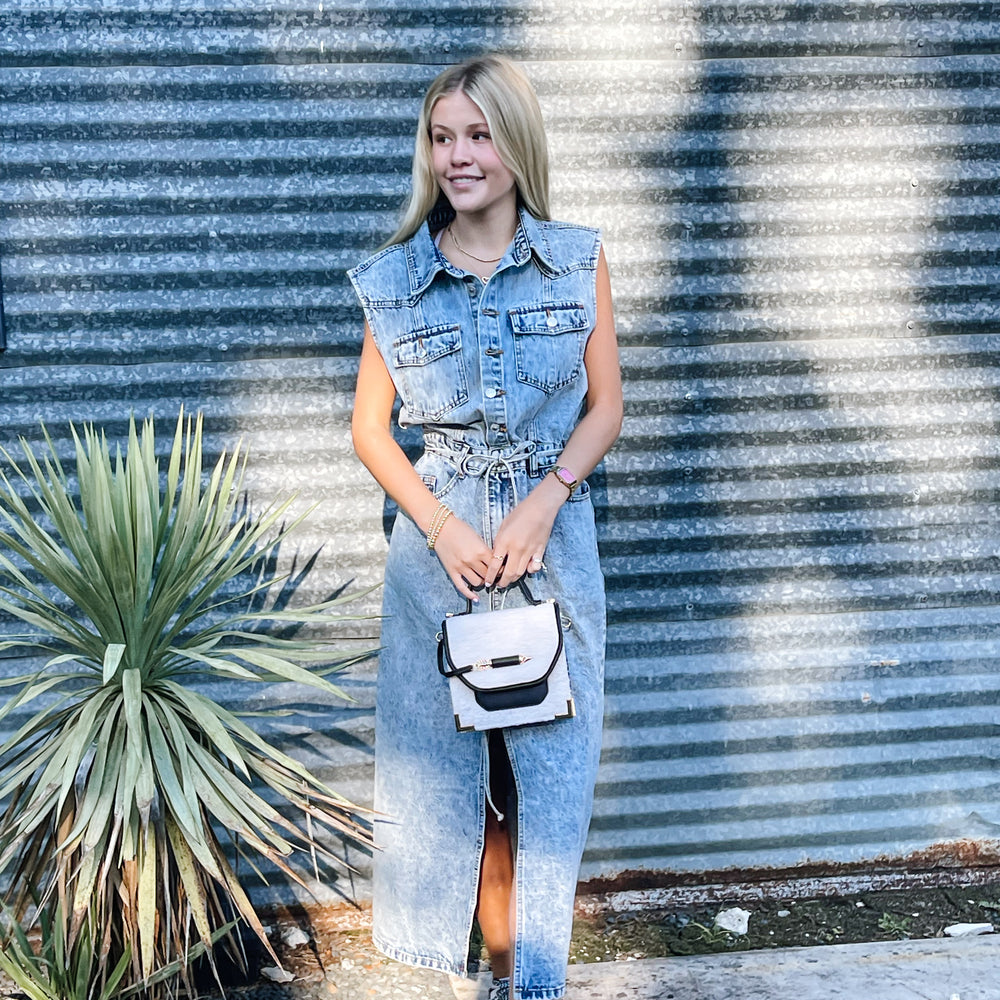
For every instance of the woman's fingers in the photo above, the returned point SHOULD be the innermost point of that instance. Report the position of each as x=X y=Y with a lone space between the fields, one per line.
x=513 y=571
x=467 y=590
x=467 y=582
x=473 y=576
x=464 y=555
x=494 y=568
x=510 y=566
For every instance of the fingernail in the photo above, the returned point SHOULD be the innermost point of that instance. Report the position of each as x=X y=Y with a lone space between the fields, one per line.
x=475 y=600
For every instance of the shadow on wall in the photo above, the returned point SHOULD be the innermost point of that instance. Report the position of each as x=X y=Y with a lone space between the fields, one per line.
x=799 y=453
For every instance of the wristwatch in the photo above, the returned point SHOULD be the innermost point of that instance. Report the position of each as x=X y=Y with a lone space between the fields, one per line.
x=567 y=478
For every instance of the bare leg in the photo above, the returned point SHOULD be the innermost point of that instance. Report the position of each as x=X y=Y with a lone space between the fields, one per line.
x=495 y=891
x=496 y=879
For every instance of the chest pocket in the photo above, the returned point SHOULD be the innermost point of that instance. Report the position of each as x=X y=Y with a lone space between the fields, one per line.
x=429 y=373
x=548 y=343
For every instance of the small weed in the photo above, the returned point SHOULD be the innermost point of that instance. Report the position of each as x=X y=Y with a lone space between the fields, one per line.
x=894 y=924
x=710 y=935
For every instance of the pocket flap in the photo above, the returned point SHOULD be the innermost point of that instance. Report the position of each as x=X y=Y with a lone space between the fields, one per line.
x=422 y=346
x=559 y=317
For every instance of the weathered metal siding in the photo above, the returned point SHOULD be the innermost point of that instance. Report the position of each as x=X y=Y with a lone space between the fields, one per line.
x=800 y=205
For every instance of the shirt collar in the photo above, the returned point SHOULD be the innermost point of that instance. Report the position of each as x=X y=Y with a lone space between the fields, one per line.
x=424 y=260
x=531 y=238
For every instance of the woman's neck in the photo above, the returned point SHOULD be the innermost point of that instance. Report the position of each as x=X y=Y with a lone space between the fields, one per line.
x=478 y=244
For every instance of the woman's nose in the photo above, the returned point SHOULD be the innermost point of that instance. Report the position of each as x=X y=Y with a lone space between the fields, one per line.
x=460 y=151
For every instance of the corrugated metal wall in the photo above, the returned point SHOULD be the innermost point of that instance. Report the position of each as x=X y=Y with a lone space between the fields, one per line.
x=800 y=204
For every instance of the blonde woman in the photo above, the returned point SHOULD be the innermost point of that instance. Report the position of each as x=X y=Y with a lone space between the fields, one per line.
x=493 y=325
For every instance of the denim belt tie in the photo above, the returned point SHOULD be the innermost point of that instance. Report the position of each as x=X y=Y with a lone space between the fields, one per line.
x=483 y=464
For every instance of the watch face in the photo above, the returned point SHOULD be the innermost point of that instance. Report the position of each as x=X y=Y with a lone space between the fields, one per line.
x=566 y=476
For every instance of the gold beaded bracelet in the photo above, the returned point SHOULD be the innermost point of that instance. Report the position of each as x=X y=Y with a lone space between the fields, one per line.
x=437 y=523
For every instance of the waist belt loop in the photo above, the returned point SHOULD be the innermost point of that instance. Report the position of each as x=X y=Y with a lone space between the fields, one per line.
x=543 y=458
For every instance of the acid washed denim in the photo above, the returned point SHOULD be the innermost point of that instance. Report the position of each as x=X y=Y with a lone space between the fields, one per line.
x=494 y=373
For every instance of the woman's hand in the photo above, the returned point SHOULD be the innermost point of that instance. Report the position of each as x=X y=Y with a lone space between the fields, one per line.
x=524 y=534
x=464 y=555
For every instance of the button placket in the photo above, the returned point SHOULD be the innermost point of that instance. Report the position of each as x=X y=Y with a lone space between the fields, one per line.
x=494 y=407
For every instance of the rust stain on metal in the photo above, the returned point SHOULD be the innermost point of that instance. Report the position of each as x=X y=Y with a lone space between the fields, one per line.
x=966 y=853
x=951 y=854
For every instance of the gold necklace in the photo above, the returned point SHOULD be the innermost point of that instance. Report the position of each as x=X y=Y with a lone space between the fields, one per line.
x=461 y=249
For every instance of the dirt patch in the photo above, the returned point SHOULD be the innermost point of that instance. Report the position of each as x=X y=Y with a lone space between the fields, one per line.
x=330 y=953
x=889 y=915
x=339 y=941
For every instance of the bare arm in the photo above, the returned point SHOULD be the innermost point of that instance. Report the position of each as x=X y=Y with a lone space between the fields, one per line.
x=464 y=555
x=525 y=531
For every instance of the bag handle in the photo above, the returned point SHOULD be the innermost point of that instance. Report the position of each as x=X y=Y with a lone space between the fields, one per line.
x=521 y=583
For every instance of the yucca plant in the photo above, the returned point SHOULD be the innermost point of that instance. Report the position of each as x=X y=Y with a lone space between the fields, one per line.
x=58 y=969
x=126 y=785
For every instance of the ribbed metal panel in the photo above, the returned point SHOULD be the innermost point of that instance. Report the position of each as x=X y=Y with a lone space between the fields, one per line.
x=800 y=204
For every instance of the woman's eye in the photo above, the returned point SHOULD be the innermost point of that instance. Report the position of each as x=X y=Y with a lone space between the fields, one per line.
x=442 y=139
x=481 y=136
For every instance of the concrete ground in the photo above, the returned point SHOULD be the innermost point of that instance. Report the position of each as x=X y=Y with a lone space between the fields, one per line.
x=936 y=969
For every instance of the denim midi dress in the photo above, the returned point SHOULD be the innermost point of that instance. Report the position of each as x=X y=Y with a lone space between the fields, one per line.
x=493 y=373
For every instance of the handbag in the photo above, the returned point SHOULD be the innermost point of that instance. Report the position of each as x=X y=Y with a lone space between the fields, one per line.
x=506 y=667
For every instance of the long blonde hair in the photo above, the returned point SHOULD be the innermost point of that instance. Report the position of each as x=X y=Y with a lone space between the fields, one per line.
x=510 y=107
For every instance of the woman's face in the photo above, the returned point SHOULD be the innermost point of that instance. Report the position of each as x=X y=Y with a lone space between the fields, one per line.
x=466 y=164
